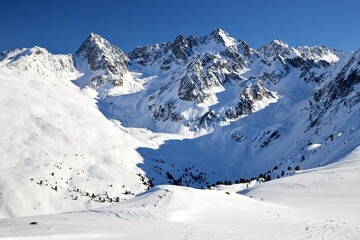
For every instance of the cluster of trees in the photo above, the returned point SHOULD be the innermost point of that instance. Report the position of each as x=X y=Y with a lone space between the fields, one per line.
x=147 y=182
x=263 y=177
x=187 y=178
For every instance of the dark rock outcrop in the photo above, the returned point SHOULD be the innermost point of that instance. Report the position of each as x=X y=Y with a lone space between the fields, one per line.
x=103 y=58
x=339 y=90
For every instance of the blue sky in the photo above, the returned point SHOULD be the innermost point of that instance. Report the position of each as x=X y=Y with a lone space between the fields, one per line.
x=61 y=26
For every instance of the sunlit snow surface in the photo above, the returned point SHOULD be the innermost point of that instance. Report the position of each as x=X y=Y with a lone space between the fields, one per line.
x=316 y=204
x=56 y=146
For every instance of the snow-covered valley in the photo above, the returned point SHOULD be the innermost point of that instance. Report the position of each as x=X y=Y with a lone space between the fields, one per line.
x=88 y=133
x=314 y=204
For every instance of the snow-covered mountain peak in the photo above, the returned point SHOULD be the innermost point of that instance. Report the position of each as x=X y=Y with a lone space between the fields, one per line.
x=106 y=62
x=98 y=52
x=223 y=37
x=95 y=41
x=36 y=50
x=95 y=36
x=318 y=53
x=276 y=48
x=182 y=50
x=278 y=42
x=14 y=54
x=39 y=61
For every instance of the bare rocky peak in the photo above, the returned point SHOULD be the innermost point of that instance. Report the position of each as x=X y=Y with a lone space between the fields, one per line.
x=105 y=58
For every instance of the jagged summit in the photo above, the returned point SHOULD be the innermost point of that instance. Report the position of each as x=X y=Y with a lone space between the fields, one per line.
x=107 y=61
x=98 y=47
x=275 y=49
x=94 y=35
x=296 y=56
x=185 y=49
x=279 y=43
x=223 y=37
x=95 y=40
x=276 y=44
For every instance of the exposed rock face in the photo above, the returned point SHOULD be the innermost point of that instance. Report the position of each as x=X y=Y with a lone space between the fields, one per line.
x=265 y=139
x=255 y=91
x=200 y=66
x=165 y=112
x=145 y=55
x=247 y=51
x=203 y=74
x=312 y=62
x=340 y=91
x=2 y=56
x=107 y=61
x=274 y=49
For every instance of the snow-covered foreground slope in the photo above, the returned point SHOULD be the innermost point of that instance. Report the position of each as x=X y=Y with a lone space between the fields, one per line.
x=331 y=192
x=316 y=204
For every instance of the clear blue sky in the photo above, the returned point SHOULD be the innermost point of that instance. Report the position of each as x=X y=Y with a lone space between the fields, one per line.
x=62 y=25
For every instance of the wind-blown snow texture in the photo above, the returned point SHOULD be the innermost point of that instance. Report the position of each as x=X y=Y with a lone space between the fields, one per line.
x=95 y=127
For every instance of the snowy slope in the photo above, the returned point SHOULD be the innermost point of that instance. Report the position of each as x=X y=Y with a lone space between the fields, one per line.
x=317 y=204
x=58 y=151
x=329 y=191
